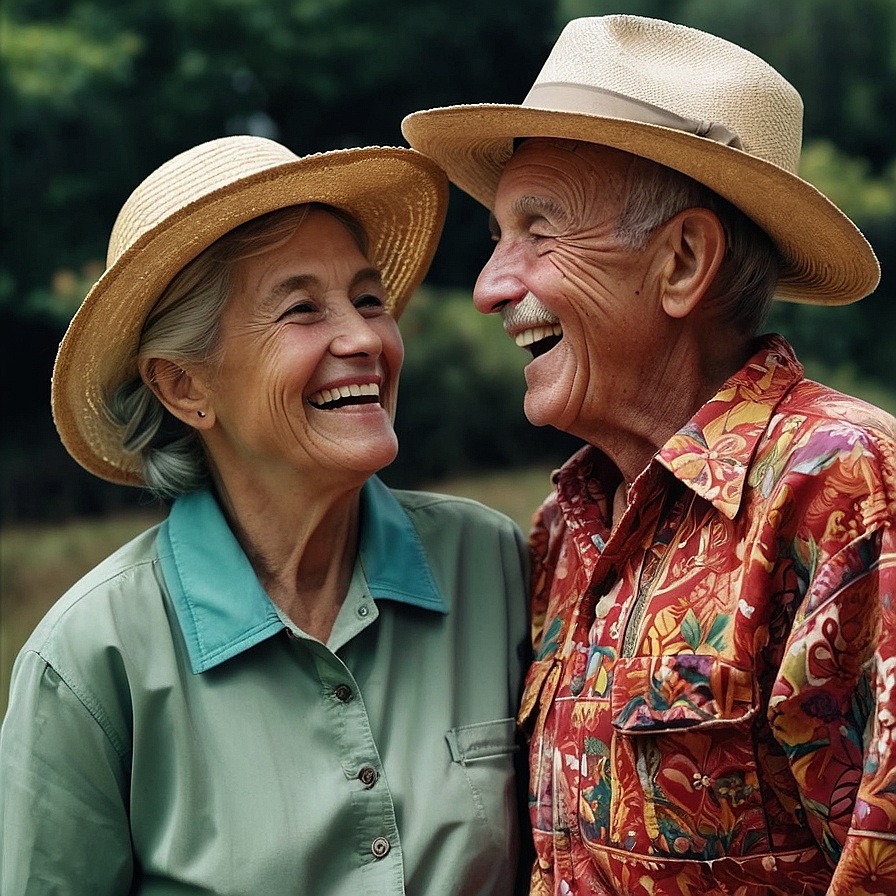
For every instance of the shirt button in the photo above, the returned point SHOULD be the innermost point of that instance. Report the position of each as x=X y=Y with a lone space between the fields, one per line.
x=363 y=611
x=380 y=847
x=343 y=693
x=367 y=776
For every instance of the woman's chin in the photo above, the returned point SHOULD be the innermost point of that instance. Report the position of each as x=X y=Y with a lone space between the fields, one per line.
x=369 y=459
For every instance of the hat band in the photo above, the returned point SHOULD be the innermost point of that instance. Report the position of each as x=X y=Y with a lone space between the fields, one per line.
x=558 y=96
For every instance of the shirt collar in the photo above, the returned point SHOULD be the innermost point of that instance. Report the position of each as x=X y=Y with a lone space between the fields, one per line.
x=711 y=455
x=220 y=604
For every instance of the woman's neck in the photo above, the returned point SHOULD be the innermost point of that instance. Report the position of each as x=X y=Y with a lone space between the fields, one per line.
x=302 y=545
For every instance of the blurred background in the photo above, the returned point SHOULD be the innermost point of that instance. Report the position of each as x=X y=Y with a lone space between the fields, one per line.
x=94 y=95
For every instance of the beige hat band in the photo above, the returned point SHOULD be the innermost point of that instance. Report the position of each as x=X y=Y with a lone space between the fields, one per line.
x=566 y=97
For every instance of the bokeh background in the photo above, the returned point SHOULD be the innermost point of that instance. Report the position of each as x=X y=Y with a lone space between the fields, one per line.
x=95 y=94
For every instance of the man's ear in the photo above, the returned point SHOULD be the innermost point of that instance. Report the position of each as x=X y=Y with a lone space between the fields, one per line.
x=695 y=242
x=182 y=393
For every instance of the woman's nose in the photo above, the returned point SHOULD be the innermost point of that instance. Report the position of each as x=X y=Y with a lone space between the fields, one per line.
x=357 y=336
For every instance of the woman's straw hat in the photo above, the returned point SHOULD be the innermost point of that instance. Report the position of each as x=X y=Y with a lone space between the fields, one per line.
x=399 y=197
x=685 y=99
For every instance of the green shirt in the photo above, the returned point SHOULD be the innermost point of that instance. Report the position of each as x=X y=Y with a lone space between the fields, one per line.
x=168 y=732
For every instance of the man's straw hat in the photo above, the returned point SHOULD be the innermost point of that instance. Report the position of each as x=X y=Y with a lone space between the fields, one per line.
x=399 y=197
x=685 y=99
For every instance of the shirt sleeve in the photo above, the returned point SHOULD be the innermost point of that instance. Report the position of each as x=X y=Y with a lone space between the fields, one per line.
x=868 y=861
x=833 y=710
x=63 y=790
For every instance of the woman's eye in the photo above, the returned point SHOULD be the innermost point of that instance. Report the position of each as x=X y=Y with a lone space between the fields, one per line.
x=369 y=301
x=298 y=309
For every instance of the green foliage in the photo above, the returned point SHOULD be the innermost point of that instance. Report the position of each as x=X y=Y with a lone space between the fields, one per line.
x=849 y=182
x=96 y=94
x=53 y=66
x=851 y=348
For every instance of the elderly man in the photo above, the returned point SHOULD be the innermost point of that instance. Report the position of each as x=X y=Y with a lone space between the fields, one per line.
x=712 y=707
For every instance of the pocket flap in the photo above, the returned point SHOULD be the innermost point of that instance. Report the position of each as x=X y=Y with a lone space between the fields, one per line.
x=656 y=693
x=484 y=740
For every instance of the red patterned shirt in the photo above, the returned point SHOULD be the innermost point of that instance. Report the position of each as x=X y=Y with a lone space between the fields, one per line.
x=713 y=702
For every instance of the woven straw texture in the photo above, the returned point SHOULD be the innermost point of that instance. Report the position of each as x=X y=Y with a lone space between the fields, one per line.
x=398 y=196
x=663 y=71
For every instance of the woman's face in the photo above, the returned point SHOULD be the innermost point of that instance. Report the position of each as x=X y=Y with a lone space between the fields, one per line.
x=308 y=378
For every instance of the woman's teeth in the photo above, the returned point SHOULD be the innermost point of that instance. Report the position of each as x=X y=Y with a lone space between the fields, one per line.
x=364 y=393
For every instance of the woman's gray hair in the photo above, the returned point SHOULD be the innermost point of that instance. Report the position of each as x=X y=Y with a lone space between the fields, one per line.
x=748 y=276
x=184 y=327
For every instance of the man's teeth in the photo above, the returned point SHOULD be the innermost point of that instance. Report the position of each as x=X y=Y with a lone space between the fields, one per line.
x=536 y=334
x=327 y=396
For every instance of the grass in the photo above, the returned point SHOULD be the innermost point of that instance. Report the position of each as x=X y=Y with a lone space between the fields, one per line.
x=38 y=563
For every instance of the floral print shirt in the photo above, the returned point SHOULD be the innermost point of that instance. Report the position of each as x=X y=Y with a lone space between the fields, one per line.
x=712 y=707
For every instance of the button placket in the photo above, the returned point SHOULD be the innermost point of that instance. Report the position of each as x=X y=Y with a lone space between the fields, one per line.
x=372 y=808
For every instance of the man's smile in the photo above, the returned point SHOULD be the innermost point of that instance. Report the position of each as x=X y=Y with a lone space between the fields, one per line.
x=539 y=340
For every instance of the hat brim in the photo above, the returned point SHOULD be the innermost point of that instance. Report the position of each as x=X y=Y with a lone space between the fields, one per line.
x=825 y=258
x=398 y=196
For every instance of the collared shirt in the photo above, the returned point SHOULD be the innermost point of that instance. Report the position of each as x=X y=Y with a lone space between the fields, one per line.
x=169 y=733
x=713 y=700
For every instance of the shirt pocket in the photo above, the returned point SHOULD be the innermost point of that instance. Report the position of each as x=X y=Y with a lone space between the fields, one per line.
x=684 y=766
x=484 y=753
x=483 y=740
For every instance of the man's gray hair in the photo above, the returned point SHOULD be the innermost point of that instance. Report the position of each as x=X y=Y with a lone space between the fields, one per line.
x=748 y=276
x=184 y=328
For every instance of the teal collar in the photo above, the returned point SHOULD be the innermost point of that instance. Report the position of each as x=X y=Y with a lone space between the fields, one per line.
x=220 y=604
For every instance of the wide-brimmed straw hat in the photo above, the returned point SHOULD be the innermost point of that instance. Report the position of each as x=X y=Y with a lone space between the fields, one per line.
x=683 y=98
x=397 y=195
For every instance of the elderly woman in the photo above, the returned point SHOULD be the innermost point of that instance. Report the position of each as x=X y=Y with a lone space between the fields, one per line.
x=300 y=682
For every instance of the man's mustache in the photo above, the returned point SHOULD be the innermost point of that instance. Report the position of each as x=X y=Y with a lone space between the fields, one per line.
x=526 y=313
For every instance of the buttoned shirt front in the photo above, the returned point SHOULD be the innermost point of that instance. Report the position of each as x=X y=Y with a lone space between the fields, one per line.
x=169 y=732
x=713 y=702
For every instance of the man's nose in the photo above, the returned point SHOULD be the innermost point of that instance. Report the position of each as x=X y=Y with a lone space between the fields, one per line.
x=497 y=284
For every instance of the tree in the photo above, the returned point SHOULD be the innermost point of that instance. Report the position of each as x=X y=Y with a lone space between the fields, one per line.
x=95 y=95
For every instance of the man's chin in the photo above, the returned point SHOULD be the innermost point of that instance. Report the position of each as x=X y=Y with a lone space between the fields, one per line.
x=538 y=411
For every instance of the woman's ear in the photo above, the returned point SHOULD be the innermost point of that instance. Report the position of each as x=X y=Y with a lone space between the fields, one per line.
x=695 y=250
x=182 y=393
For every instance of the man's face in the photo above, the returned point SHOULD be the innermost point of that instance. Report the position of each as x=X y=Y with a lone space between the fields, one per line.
x=568 y=288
